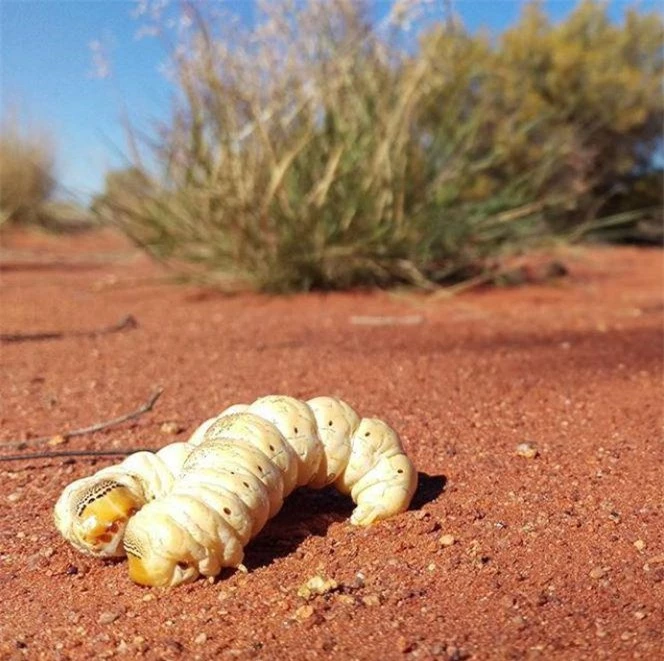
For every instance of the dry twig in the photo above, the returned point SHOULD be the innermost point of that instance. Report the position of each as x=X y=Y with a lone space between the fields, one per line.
x=98 y=426
x=127 y=323
x=74 y=453
x=367 y=320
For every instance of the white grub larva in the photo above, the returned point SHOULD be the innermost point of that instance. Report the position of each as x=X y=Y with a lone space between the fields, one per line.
x=238 y=474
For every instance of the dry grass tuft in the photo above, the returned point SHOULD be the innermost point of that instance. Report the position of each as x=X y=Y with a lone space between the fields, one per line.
x=26 y=173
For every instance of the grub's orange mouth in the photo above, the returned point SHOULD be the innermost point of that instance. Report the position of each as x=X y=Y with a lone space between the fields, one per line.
x=102 y=519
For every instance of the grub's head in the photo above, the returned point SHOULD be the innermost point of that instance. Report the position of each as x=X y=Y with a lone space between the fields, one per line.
x=92 y=515
x=156 y=553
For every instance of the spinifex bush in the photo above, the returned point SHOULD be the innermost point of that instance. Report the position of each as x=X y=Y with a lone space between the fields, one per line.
x=26 y=174
x=320 y=149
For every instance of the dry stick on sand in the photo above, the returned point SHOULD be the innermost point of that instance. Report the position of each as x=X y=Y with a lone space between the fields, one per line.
x=127 y=323
x=98 y=426
x=74 y=453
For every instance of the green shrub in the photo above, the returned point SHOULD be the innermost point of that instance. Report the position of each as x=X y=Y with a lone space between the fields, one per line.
x=316 y=151
x=596 y=85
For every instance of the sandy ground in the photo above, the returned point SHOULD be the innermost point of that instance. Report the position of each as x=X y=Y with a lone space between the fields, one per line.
x=556 y=556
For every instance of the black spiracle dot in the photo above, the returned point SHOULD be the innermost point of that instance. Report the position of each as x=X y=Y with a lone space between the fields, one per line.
x=330 y=423
x=400 y=470
x=245 y=484
x=271 y=448
x=295 y=429
x=368 y=433
x=260 y=468
x=227 y=510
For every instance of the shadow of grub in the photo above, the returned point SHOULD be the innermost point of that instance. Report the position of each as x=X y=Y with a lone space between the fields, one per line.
x=309 y=513
x=306 y=513
x=429 y=487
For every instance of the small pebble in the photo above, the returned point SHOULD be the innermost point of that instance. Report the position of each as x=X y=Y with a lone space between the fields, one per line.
x=304 y=612
x=371 y=600
x=639 y=545
x=317 y=585
x=148 y=597
x=640 y=615
x=139 y=643
x=403 y=645
x=437 y=649
x=201 y=639
x=108 y=617
x=454 y=653
x=346 y=599
x=171 y=428
x=597 y=572
x=526 y=450
x=519 y=621
x=14 y=497
x=656 y=559
x=447 y=540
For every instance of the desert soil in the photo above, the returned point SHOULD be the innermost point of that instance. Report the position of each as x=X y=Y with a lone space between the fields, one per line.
x=552 y=550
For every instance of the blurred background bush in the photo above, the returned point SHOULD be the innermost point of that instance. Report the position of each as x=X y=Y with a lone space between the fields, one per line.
x=28 y=182
x=26 y=173
x=321 y=149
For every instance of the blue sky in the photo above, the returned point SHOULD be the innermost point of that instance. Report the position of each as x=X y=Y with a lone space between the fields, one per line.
x=46 y=72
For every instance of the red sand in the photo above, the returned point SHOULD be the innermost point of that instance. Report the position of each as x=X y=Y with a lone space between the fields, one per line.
x=556 y=556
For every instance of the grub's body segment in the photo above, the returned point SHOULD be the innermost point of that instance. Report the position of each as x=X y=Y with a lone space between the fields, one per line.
x=250 y=459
